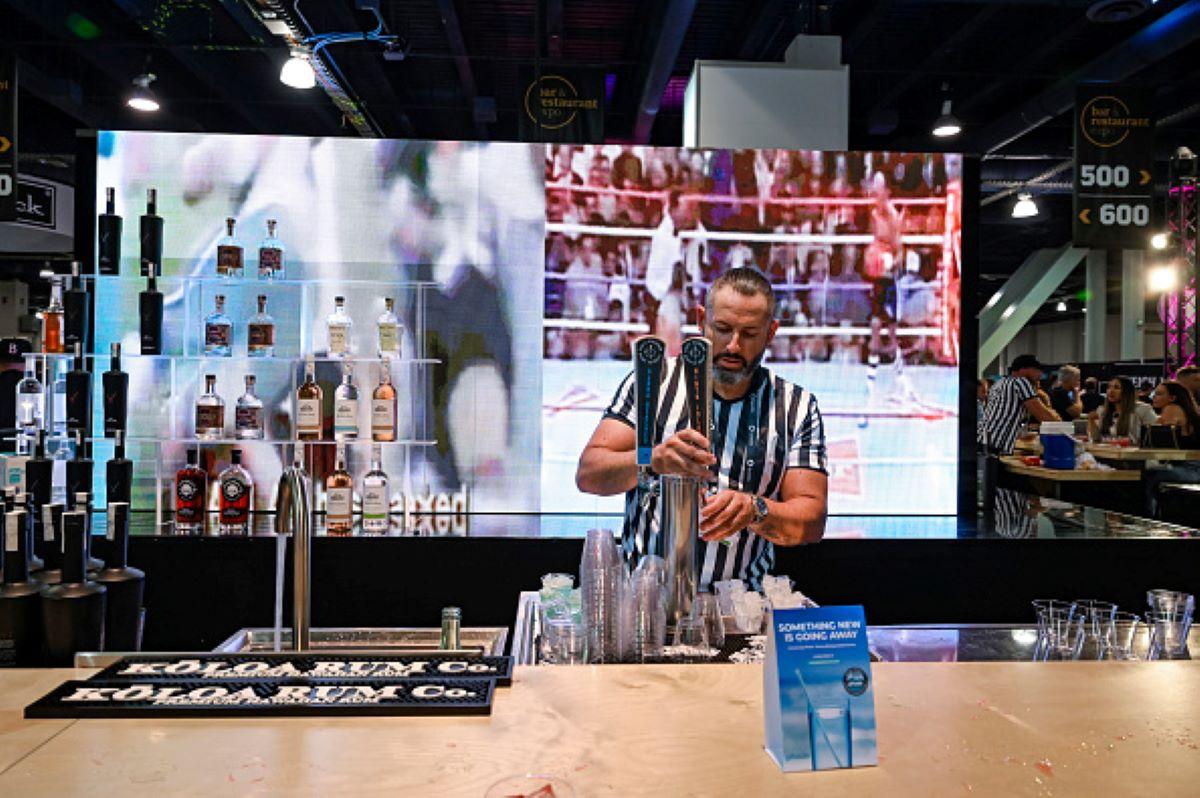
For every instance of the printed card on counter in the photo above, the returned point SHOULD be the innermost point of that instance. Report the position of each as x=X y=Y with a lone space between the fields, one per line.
x=818 y=699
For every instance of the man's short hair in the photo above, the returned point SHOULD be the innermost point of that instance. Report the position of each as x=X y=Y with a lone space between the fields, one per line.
x=1187 y=371
x=1067 y=372
x=747 y=282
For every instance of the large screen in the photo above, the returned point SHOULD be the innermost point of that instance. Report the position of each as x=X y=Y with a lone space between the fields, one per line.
x=526 y=271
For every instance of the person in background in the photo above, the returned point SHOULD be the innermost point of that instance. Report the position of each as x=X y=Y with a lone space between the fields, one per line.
x=1122 y=416
x=1189 y=377
x=1091 y=396
x=1008 y=402
x=1176 y=408
x=1143 y=392
x=1064 y=397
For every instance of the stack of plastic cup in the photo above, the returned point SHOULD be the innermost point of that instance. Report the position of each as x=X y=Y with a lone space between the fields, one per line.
x=1170 y=621
x=602 y=576
x=648 y=600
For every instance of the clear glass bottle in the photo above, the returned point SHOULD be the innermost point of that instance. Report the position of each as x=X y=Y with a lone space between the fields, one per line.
x=389 y=330
x=339 y=497
x=230 y=255
x=237 y=497
x=248 y=416
x=339 y=328
x=270 y=255
x=308 y=405
x=260 y=332
x=31 y=404
x=376 y=498
x=383 y=406
x=52 y=319
x=218 y=331
x=210 y=411
x=345 y=406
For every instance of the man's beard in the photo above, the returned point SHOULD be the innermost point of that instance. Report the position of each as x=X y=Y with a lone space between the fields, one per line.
x=724 y=375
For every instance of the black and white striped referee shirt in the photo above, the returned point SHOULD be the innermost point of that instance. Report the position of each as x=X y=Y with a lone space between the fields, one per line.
x=774 y=427
x=1005 y=413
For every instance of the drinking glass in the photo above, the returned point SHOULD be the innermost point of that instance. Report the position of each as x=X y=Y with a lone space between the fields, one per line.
x=708 y=610
x=1122 y=635
x=1097 y=622
x=569 y=641
x=1170 y=600
x=1169 y=632
x=691 y=639
x=1060 y=630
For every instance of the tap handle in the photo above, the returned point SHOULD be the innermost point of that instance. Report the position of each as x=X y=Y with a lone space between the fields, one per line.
x=649 y=354
x=697 y=374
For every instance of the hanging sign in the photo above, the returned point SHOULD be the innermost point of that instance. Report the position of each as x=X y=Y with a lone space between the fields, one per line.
x=561 y=105
x=818 y=696
x=1114 y=166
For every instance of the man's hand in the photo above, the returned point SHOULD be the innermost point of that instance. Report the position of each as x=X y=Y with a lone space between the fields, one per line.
x=725 y=514
x=685 y=454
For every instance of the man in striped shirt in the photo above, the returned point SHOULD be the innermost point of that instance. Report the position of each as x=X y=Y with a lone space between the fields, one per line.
x=1008 y=402
x=768 y=445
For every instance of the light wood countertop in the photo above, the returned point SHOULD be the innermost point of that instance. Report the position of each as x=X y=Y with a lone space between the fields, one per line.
x=1005 y=729
x=1015 y=465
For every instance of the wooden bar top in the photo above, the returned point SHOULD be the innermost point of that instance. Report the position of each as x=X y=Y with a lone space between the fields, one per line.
x=1061 y=729
x=1015 y=465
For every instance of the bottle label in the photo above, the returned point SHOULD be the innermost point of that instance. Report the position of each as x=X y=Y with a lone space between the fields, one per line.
x=10 y=538
x=308 y=415
x=337 y=340
x=216 y=335
x=189 y=499
x=339 y=505
x=383 y=416
x=229 y=259
x=235 y=500
x=261 y=336
x=375 y=503
x=249 y=418
x=389 y=338
x=270 y=261
x=210 y=417
x=345 y=417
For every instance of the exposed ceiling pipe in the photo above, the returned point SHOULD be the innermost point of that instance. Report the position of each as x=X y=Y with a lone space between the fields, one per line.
x=1158 y=40
x=462 y=62
x=675 y=22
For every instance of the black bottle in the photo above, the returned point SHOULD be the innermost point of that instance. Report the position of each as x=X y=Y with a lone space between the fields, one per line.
x=108 y=236
x=20 y=609
x=76 y=309
x=39 y=484
x=152 y=236
x=150 y=315
x=119 y=481
x=83 y=504
x=73 y=610
x=51 y=525
x=123 y=616
x=79 y=394
x=79 y=472
x=116 y=393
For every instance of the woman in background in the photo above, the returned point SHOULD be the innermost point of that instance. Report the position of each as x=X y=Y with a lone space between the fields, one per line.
x=1176 y=407
x=1122 y=415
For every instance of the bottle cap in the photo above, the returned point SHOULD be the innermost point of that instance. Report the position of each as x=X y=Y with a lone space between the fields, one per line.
x=236 y=457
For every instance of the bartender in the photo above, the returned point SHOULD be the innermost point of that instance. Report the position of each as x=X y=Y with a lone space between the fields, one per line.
x=772 y=478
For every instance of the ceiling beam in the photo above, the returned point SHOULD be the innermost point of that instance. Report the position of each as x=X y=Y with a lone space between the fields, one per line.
x=65 y=95
x=552 y=13
x=862 y=29
x=462 y=62
x=676 y=18
x=760 y=29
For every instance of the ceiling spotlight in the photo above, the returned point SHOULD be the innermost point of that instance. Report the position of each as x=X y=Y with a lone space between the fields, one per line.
x=1024 y=207
x=1160 y=240
x=1162 y=279
x=142 y=98
x=946 y=125
x=1061 y=307
x=298 y=72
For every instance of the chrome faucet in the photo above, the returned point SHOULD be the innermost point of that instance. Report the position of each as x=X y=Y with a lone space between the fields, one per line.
x=293 y=515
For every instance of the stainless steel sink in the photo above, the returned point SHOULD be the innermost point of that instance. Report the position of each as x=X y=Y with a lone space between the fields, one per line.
x=479 y=640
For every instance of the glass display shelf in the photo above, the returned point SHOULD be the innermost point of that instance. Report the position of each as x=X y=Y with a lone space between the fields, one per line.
x=176 y=270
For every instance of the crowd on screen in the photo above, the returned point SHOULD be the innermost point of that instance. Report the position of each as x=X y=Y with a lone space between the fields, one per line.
x=594 y=274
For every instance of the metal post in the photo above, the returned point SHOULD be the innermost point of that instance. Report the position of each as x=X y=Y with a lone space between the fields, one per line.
x=1133 y=305
x=1095 y=348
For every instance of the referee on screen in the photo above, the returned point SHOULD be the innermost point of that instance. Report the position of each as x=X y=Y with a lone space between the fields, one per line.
x=768 y=438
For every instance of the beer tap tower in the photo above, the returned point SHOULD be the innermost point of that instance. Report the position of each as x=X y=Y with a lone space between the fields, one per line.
x=681 y=497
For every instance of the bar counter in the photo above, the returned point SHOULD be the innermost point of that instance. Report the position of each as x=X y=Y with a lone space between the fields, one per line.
x=1070 y=728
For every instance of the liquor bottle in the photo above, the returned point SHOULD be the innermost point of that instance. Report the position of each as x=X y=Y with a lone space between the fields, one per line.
x=125 y=585
x=31 y=404
x=20 y=606
x=108 y=235
x=389 y=329
x=79 y=394
x=24 y=501
x=116 y=393
x=52 y=319
x=260 y=336
x=119 y=474
x=76 y=310
x=210 y=411
x=309 y=423
x=50 y=533
x=237 y=497
x=339 y=329
x=345 y=406
x=150 y=315
x=270 y=255
x=83 y=503
x=248 y=416
x=79 y=471
x=218 y=331
x=376 y=499
x=339 y=497
x=151 y=229
x=39 y=485
x=230 y=255
x=191 y=497
x=73 y=610
x=383 y=406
